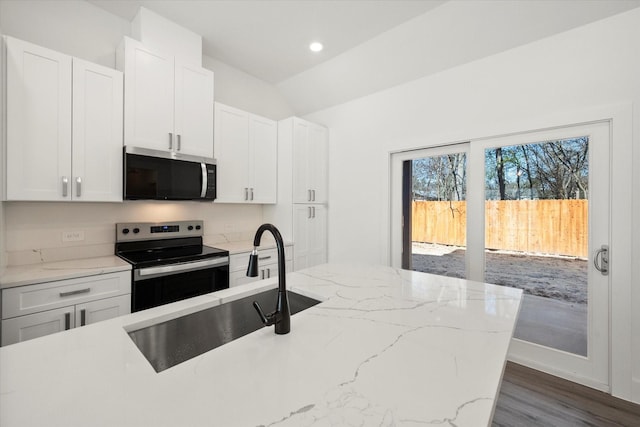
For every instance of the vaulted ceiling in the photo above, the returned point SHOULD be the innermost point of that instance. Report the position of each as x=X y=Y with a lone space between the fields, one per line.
x=369 y=45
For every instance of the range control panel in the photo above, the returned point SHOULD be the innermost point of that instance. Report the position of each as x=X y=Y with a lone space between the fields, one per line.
x=134 y=231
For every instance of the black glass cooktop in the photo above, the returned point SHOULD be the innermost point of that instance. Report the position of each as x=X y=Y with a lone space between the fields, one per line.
x=152 y=253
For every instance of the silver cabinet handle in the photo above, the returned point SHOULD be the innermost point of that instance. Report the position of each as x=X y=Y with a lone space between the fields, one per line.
x=65 y=186
x=67 y=321
x=309 y=213
x=308 y=195
x=83 y=317
x=262 y=258
x=179 y=141
x=251 y=193
x=78 y=186
x=603 y=254
x=262 y=274
x=314 y=212
x=76 y=292
x=170 y=140
x=246 y=193
x=313 y=193
x=268 y=273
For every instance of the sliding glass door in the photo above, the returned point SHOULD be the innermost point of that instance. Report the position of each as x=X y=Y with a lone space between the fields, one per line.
x=534 y=209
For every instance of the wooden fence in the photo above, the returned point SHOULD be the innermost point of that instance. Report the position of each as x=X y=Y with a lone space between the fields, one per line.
x=542 y=226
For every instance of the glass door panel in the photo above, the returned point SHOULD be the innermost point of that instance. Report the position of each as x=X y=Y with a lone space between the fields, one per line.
x=438 y=214
x=536 y=236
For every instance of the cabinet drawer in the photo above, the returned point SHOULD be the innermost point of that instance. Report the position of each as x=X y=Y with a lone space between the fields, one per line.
x=50 y=295
x=238 y=262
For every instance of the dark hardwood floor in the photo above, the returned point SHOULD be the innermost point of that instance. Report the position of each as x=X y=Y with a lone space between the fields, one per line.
x=532 y=398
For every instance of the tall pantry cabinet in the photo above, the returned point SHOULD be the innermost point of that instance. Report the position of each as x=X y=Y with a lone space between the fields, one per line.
x=301 y=212
x=64 y=126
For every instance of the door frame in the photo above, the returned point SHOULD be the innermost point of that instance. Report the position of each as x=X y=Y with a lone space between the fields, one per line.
x=623 y=272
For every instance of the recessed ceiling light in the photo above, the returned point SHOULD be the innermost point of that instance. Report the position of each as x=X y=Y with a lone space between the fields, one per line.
x=316 y=46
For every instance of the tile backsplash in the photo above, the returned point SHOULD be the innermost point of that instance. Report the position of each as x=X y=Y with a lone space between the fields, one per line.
x=44 y=232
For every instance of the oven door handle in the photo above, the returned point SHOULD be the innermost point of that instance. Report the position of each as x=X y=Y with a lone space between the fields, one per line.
x=183 y=267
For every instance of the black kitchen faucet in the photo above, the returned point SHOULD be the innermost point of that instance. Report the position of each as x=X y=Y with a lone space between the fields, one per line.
x=281 y=317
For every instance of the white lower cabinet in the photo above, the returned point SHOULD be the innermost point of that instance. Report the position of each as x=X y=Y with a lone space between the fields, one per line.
x=310 y=232
x=45 y=308
x=267 y=265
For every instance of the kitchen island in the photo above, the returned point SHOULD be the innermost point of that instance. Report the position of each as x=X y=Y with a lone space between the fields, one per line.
x=385 y=347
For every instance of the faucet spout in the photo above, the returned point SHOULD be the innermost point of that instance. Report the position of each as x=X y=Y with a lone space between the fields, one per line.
x=281 y=317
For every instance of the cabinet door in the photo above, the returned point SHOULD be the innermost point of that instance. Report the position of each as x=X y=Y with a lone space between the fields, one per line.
x=104 y=309
x=231 y=147
x=318 y=235
x=317 y=163
x=193 y=110
x=97 y=133
x=310 y=234
x=302 y=247
x=24 y=328
x=148 y=98
x=263 y=160
x=301 y=187
x=38 y=123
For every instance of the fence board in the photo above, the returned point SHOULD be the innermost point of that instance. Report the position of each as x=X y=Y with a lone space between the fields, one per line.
x=538 y=226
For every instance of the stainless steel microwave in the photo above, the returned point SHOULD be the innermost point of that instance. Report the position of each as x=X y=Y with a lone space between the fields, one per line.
x=158 y=175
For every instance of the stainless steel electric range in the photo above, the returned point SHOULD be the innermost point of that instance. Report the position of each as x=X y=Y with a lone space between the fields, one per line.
x=169 y=261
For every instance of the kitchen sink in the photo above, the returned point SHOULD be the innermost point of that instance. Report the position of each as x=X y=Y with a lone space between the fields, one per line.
x=172 y=342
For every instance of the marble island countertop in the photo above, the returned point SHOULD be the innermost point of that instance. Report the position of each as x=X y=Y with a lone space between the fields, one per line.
x=386 y=347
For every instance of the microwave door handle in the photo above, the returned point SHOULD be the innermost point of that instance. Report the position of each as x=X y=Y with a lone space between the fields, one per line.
x=203 y=191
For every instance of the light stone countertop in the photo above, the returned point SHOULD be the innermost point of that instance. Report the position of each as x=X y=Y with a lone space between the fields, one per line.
x=21 y=275
x=386 y=347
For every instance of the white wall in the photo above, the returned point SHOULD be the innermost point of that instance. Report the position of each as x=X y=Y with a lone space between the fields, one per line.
x=591 y=66
x=244 y=91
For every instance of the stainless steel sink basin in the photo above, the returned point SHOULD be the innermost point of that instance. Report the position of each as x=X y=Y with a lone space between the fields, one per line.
x=172 y=342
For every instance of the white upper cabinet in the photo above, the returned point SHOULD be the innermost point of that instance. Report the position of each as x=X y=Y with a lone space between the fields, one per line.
x=310 y=145
x=168 y=105
x=38 y=122
x=97 y=133
x=246 y=155
x=263 y=159
x=64 y=127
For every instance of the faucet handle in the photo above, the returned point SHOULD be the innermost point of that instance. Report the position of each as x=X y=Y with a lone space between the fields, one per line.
x=269 y=319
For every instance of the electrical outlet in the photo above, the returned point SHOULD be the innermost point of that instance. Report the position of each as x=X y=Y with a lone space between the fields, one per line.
x=72 y=236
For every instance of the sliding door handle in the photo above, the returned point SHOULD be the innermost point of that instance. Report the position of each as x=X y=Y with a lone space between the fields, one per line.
x=602 y=255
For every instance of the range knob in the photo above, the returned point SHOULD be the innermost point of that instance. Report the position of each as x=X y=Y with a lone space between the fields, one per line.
x=190 y=227
x=136 y=230
x=125 y=231
x=198 y=227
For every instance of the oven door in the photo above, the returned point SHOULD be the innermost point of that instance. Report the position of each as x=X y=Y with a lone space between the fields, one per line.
x=154 y=286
